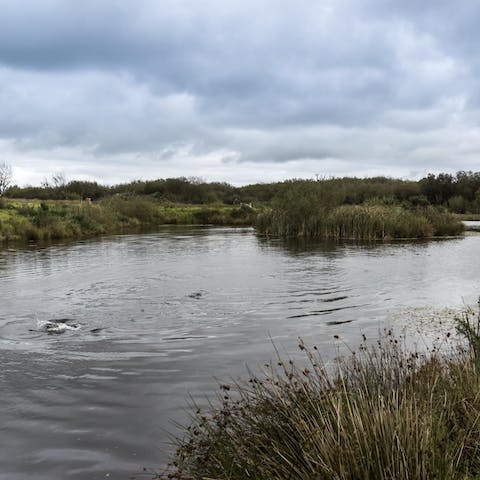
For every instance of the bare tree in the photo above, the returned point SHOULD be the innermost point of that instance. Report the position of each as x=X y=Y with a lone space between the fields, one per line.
x=5 y=176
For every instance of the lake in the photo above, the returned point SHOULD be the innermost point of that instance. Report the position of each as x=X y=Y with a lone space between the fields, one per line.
x=160 y=315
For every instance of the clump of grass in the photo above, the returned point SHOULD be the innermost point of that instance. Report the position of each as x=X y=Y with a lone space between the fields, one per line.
x=139 y=210
x=468 y=326
x=359 y=222
x=382 y=412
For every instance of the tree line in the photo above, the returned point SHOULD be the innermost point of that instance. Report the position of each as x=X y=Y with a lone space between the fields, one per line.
x=460 y=193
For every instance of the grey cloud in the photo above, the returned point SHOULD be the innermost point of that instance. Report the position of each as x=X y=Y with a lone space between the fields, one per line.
x=264 y=81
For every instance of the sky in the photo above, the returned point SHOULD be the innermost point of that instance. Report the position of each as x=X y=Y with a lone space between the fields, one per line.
x=241 y=91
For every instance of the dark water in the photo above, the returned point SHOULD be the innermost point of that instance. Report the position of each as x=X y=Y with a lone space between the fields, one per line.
x=177 y=308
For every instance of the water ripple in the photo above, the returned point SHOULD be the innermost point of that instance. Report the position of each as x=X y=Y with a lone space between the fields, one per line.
x=171 y=310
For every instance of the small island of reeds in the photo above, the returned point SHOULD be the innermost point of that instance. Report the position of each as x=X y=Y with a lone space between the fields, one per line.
x=383 y=412
x=359 y=222
x=318 y=210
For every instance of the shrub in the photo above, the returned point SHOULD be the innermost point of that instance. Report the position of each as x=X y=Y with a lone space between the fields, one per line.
x=381 y=413
x=140 y=208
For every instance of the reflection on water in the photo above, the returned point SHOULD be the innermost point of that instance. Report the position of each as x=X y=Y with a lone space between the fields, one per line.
x=160 y=315
x=472 y=225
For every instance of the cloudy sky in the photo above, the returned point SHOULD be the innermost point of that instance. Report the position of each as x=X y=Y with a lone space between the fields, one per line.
x=238 y=90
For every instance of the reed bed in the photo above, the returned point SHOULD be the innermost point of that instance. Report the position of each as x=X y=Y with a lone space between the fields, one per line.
x=382 y=412
x=359 y=222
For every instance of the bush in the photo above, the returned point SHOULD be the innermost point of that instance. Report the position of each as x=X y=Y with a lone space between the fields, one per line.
x=140 y=208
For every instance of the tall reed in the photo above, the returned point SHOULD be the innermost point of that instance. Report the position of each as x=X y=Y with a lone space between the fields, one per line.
x=381 y=413
x=359 y=222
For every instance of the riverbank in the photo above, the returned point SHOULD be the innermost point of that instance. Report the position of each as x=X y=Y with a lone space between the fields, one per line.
x=382 y=412
x=469 y=217
x=35 y=220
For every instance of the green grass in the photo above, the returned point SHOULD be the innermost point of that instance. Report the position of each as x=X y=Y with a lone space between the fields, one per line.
x=30 y=220
x=37 y=221
x=314 y=215
x=208 y=215
x=382 y=412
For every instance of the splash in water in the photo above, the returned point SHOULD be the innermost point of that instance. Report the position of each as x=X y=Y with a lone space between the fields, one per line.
x=56 y=326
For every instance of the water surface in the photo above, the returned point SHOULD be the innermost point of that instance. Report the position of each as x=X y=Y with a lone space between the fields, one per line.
x=174 y=309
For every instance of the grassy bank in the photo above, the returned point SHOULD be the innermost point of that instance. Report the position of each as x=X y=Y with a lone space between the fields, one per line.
x=52 y=220
x=382 y=413
x=307 y=216
x=358 y=222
